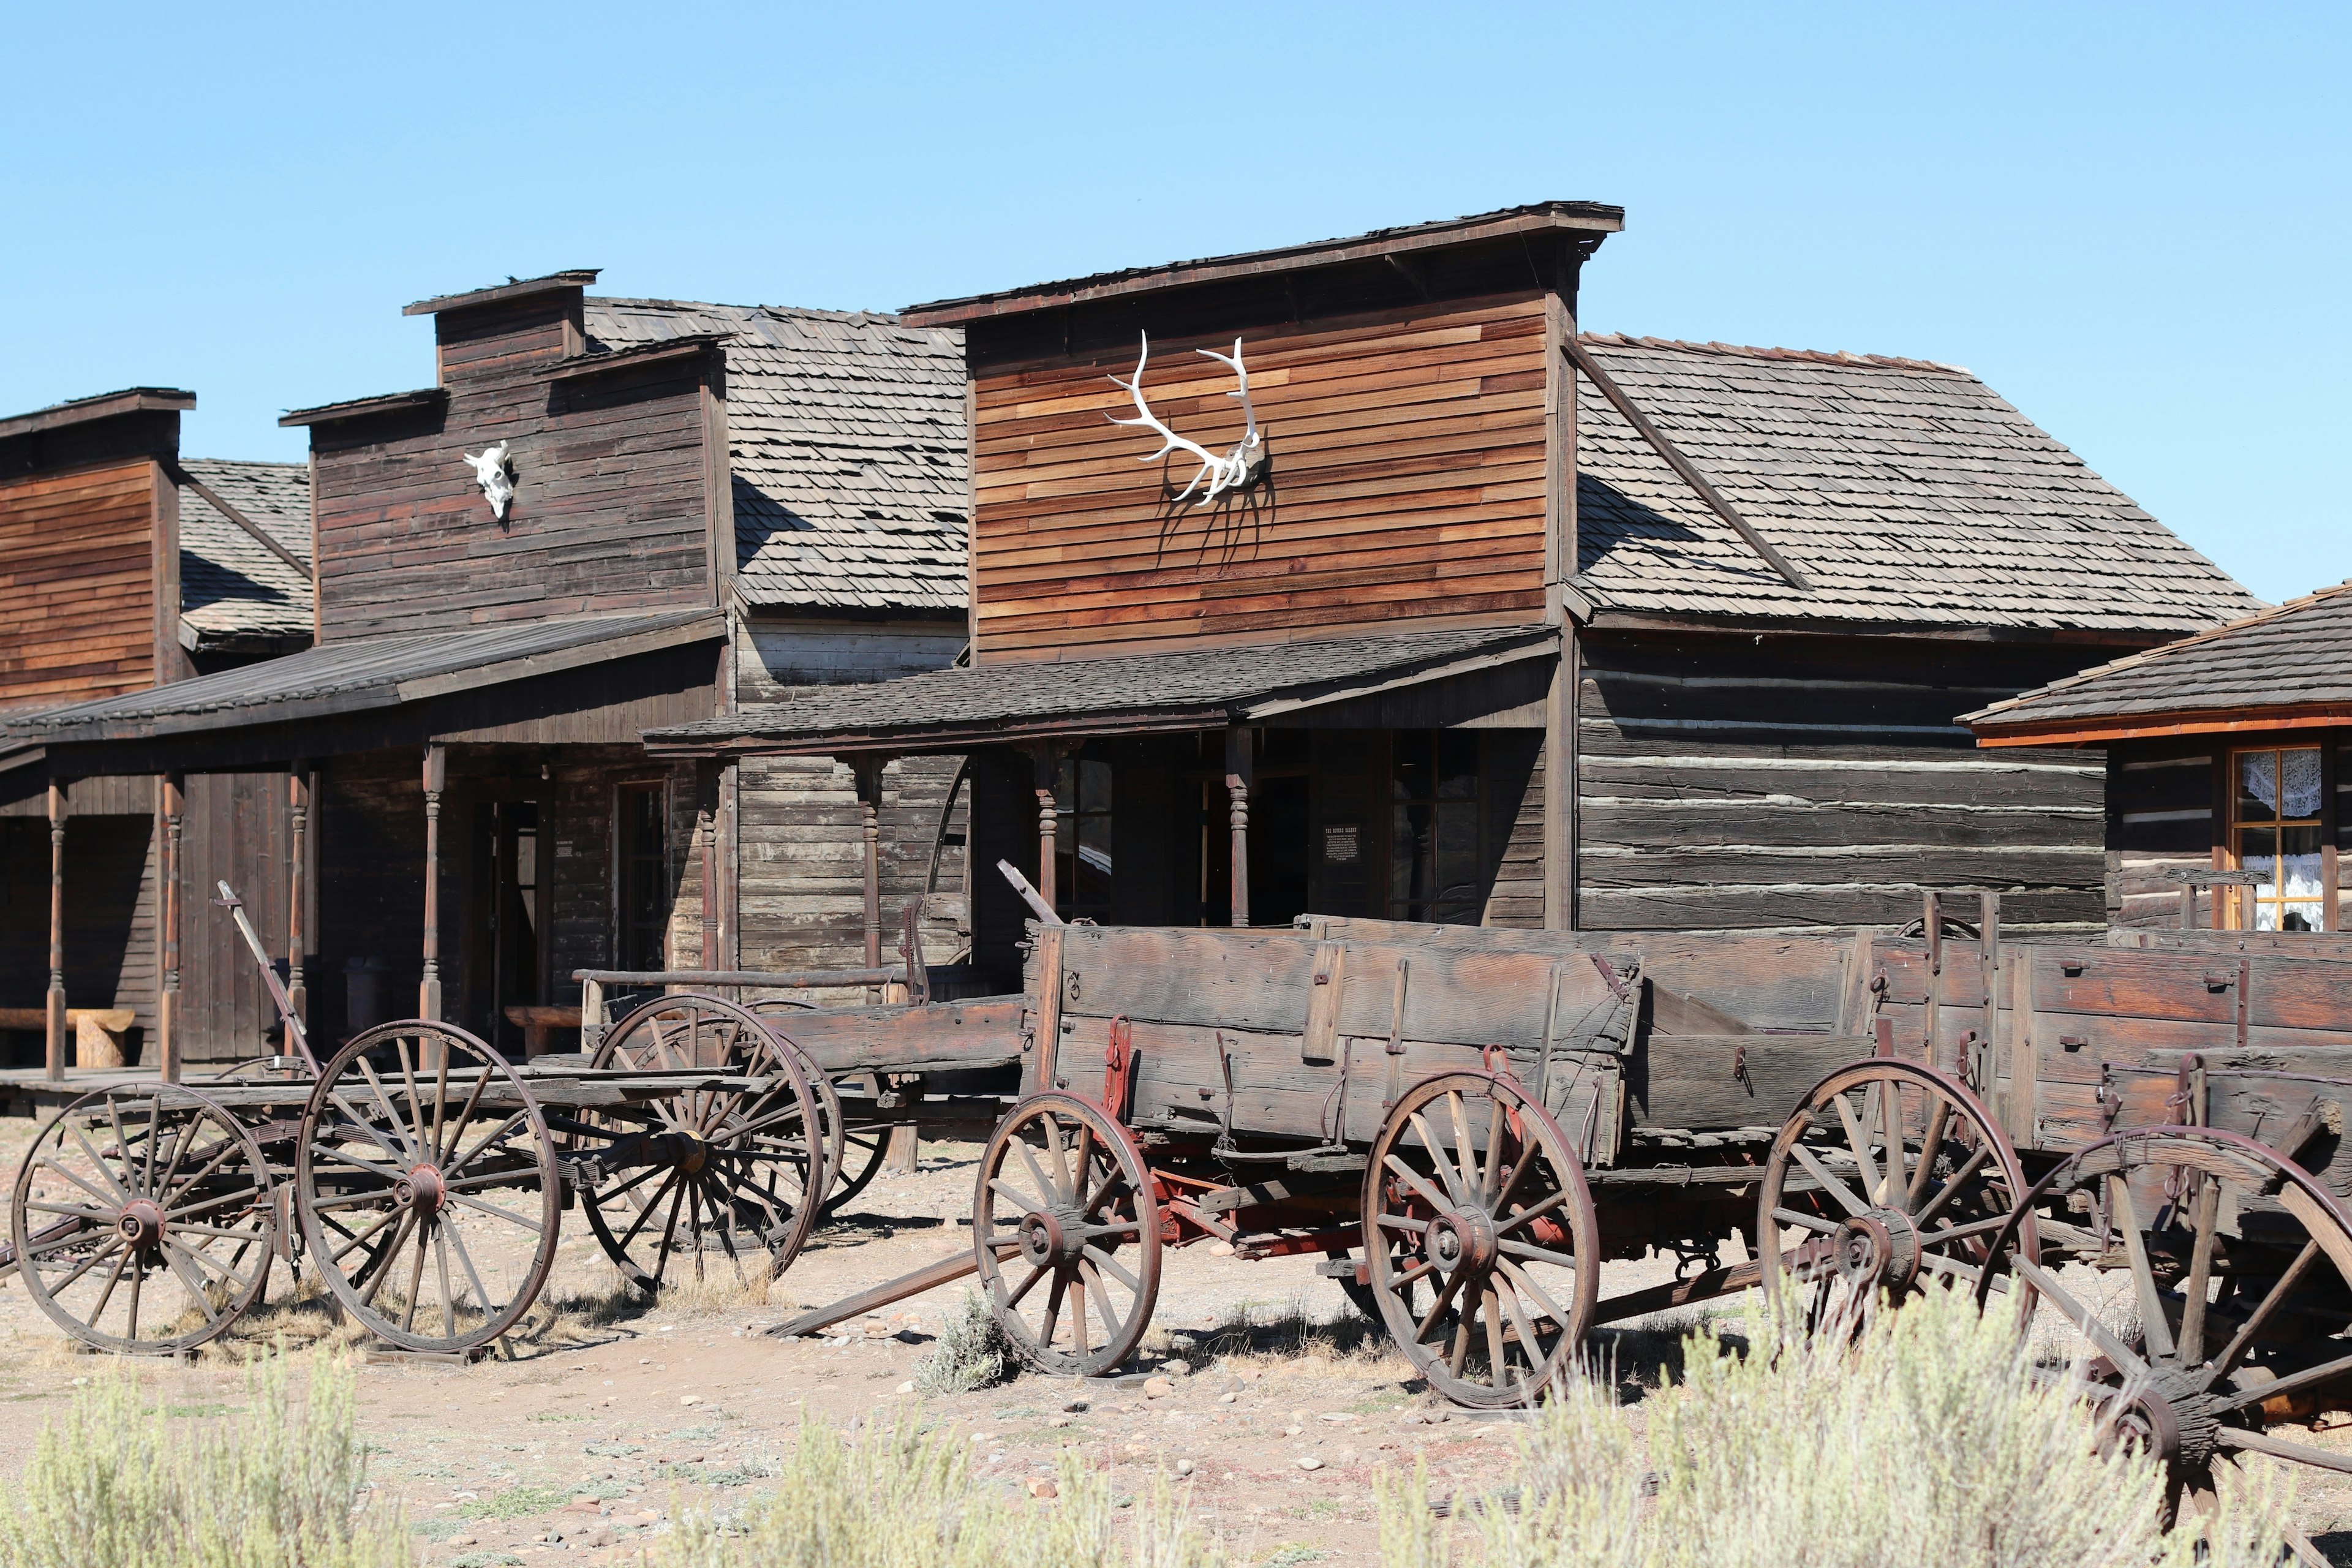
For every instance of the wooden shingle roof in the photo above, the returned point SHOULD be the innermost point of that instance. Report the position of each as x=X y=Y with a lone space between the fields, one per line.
x=233 y=588
x=847 y=434
x=2288 y=666
x=1906 y=492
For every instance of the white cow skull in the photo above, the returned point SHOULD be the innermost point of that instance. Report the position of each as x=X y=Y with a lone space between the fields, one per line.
x=496 y=476
x=1235 y=469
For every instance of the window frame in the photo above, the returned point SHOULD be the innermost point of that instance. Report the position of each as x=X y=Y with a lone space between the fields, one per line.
x=2246 y=903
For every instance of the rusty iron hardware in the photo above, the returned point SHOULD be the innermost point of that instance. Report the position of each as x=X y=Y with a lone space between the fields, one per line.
x=1739 y=1067
x=1610 y=975
x=1118 y=1069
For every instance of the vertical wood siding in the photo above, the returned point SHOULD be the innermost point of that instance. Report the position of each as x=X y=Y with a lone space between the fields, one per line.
x=1408 y=482
x=610 y=509
x=1724 y=783
x=76 y=586
x=237 y=830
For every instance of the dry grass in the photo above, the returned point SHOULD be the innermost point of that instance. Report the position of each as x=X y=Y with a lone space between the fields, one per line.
x=972 y=1353
x=117 y=1480
x=900 y=1496
x=1925 y=1440
x=1288 y=1333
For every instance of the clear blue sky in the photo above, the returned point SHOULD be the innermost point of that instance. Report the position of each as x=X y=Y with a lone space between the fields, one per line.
x=2132 y=220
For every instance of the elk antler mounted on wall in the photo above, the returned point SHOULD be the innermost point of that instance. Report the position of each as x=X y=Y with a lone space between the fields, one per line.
x=1237 y=469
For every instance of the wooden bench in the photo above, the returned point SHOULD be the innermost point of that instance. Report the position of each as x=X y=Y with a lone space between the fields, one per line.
x=539 y=1026
x=98 y=1031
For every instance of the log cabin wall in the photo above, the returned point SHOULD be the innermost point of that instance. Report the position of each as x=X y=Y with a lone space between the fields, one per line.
x=1408 y=482
x=79 y=559
x=610 y=507
x=2168 y=809
x=1766 y=782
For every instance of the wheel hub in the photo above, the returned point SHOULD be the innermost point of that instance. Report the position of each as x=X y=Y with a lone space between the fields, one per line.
x=2170 y=1419
x=1881 y=1248
x=141 y=1223
x=422 y=1189
x=1463 y=1238
x=1047 y=1239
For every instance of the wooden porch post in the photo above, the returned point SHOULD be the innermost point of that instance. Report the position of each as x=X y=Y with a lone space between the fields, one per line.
x=297 y=803
x=56 y=1020
x=868 y=772
x=1241 y=773
x=706 y=833
x=1047 y=759
x=167 y=876
x=436 y=779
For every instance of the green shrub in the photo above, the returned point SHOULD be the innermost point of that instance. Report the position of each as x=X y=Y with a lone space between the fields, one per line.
x=1926 y=1440
x=278 y=1484
x=972 y=1352
x=897 y=1496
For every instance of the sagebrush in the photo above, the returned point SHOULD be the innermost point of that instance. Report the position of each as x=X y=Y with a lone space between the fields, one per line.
x=972 y=1352
x=1927 y=1439
x=898 y=1495
x=279 y=1483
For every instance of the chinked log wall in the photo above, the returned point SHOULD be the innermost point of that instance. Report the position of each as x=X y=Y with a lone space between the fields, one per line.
x=1727 y=783
x=2168 y=806
x=79 y=571
x=610 y=509
x=1408 y=482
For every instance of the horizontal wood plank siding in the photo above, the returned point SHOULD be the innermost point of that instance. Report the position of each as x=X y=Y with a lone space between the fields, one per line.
x=76 y=584
x=610 y=510
x=1407 y=482
x=1726 y=783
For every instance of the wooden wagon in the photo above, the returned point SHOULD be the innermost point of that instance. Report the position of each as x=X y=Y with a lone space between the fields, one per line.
x=2142 y=1149
x=420 y=1175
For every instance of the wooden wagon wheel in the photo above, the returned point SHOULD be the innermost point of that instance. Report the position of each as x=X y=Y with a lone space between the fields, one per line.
x=144 y=1220
x=1473 y=1189
x=1065 y=1201
x=854 y=1154
x=736 y=1173
x=1890 y=1174
x=427 y=1181
x=2211 y=1304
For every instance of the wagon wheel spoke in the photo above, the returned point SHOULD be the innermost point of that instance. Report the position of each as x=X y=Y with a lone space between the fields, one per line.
x=138 y=1277
x=2084 y=1320
x=1857 y=1143
x=1053 y=1310
x=2156 y=1323
x=1413 y=1178
x=473 y=1274
x=105 y=1172
x=2279 y=1448
x=1954 y=1185
x=1465 y=1149
x=2260 y=1318
x=1787 y=1215
x=1106 y=1264
x=1931 y=1149
x=1829 y=1184
x=1455 y=1191
x=1897 y=1180
x=2200 y=1269
x=1035 y=1274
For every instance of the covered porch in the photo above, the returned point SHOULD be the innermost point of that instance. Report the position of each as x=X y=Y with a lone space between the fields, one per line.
x=1397 y=776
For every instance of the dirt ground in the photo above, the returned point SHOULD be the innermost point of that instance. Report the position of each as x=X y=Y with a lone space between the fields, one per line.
x=612 y=1416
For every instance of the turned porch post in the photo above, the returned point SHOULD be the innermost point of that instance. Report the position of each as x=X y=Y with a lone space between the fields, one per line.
x=436 y=779
x=167 y=878
x=298 y=804
x=1241 y=773
x=1046 y=759
x=56 y=1020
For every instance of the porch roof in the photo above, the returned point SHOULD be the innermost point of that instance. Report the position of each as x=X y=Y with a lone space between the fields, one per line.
x=2288 y=668
x=366 y=672
x=1189 y=689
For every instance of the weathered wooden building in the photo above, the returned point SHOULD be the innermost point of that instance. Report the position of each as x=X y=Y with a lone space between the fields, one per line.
x=123 y=566
x=2226 y=753
x=602 y=515
x=1329 y=638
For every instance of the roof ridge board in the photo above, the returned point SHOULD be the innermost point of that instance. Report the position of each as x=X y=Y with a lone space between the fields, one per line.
x=1842 y=357
x=815 y=312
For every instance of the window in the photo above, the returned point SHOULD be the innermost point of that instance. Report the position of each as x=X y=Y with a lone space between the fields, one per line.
x=643 y=874
x=1434 y=827
x=1082 y=840
x=2275 y=831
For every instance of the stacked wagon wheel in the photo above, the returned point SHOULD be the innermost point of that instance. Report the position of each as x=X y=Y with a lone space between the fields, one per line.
x=144 y=1220
x=427 y=1184
x=1889 y=1176
x=732 y=1178
x=1480 y=1239
x=2198 y=1287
